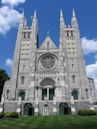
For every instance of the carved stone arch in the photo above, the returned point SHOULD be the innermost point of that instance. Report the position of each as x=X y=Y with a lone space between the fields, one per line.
x=48 y=88
x=28 y=109
x=48 y=81
x=64 y=109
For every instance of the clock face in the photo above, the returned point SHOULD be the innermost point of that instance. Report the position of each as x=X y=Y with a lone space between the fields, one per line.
x=48 y=61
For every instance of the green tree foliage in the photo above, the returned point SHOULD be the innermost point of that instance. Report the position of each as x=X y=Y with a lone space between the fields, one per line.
x=3 y=77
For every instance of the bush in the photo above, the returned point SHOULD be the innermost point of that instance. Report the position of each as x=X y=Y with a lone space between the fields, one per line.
x=11 y=115
x=1 y=115
x=14 y=115
x=7 y=114
x=86 y=112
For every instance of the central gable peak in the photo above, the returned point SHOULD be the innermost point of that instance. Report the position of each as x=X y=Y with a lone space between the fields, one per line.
x=48 y=44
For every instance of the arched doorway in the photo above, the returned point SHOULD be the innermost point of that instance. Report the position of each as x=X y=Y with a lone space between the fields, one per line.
x=64 y=109
x=48 y=88
x=28 y=109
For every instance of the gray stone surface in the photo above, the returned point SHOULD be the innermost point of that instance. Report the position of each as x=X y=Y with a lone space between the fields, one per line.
x=48 y=67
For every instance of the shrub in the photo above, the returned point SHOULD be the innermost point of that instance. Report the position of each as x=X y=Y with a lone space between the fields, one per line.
x=11 y=115
x=86 y=112
x=1 y=115
x=7 y=114
x=14 y=115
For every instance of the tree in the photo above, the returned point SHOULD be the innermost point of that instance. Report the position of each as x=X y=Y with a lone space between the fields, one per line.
x=3 y=77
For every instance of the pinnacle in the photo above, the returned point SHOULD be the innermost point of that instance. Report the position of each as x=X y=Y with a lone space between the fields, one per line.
x=74 y=15
x=35 y=13
x=61 y=13
x=62 y=17
x=74 y=19
x=22 y=15
x=34 y=17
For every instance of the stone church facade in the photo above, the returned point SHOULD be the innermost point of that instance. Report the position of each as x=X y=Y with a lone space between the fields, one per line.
x=48 y=80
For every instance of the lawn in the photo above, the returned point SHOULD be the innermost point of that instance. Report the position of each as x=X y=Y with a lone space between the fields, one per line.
x=52 y=122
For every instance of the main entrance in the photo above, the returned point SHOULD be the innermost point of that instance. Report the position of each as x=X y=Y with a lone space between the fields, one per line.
x=28 y=109
x=64 y=109
x=48 y=88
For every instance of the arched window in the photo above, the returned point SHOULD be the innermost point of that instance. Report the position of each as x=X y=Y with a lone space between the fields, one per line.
x=72 y=34
x=87 y=93
x=21 y=94
x=73 y=79
x=75 y=94
x=68 y=34
x=22 y=80
x=23 y=67
x=7 y=94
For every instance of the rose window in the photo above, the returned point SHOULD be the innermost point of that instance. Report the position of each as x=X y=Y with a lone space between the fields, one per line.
x=48 y=61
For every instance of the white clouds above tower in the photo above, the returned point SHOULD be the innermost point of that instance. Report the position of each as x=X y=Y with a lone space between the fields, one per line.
x=12 y=2
x=8 y=18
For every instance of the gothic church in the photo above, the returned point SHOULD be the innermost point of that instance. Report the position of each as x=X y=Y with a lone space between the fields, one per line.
x=48 y=80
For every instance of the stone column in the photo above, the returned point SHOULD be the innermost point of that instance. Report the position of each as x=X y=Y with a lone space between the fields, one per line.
x=54 y=106
x=19 y=106
x=36 y=111
x=73 y=110
x=48 y=93
x=45 y=108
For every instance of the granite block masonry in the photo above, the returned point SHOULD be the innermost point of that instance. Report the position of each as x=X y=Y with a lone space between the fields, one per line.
x=48 y=80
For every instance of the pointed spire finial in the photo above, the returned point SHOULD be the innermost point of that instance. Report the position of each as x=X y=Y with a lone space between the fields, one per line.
x=61 y=13
x=22 y=15
x=61 y=16
x=35 y=13
x=74 y=19
x=22 y=19
x=34 y=17
x=62 y=22
x=74 y=15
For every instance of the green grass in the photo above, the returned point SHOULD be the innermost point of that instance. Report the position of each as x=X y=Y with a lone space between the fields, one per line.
x=52 y=122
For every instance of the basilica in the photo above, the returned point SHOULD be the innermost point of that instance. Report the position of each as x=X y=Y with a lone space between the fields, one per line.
x=48 y=80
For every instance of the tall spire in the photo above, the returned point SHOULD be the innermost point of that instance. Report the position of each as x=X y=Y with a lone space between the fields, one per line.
x=35 y=13
x=74 y=22
x=22 y=19
x=35 y=29
x=62 y=29
x=35 y=17
x=74 y=15
x=22 y=15
x=35 y=22
x=62 y=22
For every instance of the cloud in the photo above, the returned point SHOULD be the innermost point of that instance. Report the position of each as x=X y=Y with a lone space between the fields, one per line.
x=95 y=56
x=8 y=18
x=8 y=62
x=89 y=45
x=12 y=2
x=91 y=70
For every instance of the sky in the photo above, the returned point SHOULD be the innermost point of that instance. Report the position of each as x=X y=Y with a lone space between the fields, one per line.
x=48 y=20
